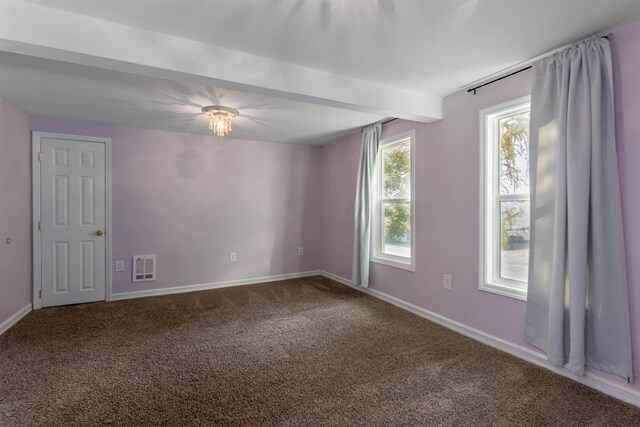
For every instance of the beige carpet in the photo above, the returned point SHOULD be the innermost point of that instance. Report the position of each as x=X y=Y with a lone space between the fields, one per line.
x=297 y=352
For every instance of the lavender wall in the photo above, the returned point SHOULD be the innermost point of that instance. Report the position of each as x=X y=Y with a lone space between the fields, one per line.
x=447 y=204
x=340 y=170
x=15 y=209
x=192 y=199
x=626 y=69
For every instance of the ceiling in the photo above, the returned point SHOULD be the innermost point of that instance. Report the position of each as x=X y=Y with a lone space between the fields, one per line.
x=298 y=71
x=59 y=89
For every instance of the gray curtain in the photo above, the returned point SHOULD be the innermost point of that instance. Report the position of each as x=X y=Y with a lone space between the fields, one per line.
x=577 y=306
x=364 y=194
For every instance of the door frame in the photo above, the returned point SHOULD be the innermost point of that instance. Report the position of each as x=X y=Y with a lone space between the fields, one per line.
x=36 y=144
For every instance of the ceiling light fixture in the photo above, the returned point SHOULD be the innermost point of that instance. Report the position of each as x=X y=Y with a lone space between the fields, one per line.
x=220 y=118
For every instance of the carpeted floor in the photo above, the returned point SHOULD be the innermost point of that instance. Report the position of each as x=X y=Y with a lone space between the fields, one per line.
x=297 y=352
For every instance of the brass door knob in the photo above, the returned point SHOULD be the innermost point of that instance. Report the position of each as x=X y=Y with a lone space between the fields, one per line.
x=99 y=233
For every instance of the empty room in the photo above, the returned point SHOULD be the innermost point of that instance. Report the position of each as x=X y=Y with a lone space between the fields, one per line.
x=320 y=212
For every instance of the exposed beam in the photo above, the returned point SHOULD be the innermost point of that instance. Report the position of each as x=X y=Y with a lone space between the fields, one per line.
x=59 y=35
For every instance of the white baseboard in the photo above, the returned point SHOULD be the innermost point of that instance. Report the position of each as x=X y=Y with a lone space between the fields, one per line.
x=15 y=318
x=216 y=285
x=626 y=394
x=342 y=280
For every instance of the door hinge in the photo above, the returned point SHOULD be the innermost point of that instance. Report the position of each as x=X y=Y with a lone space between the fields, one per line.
x=40 y=294
x=40 y=156
x=40 y=225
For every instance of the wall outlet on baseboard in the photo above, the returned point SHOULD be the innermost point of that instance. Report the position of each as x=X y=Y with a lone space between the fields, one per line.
x=446 y=281
x=301 y=250
x=119 y=265
x=233 y=257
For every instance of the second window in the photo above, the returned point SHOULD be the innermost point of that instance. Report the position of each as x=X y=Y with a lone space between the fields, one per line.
x=393 y=216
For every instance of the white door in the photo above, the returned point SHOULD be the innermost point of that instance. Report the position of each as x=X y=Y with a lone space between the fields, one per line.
x=72 y=211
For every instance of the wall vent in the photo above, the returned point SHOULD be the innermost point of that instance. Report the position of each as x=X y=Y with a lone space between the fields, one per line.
x=144 y=268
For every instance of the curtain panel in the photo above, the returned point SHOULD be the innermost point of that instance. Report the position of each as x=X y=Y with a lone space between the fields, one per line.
x=577 y=302
x=363 y=204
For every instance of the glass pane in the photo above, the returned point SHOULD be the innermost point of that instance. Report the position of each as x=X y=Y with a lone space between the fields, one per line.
x=514 y=154
x=397 y=229
x=514 y=240
x=397 y=171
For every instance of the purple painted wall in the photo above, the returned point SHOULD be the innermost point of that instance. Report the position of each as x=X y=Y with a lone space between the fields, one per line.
x=192 y=199
x=626 y=69
x=447 y=204
x=15 y=209
x=340 y=164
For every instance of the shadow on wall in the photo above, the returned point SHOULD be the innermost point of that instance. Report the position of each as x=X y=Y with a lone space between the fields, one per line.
x=293 y=225
x=286 y=225
x=189 y=163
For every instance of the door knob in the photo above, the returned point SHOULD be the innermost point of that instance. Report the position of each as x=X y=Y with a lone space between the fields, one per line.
x=99 y=233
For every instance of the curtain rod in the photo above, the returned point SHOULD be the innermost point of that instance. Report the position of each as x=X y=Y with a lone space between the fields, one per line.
x=384 y=122
x=475 y=88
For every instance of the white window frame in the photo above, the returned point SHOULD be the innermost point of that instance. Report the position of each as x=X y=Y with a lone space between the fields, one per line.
x=377 y=224
x=490 y=279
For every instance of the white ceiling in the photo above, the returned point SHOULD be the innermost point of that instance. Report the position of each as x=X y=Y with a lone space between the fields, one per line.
x=316 y=68
x=58 y=89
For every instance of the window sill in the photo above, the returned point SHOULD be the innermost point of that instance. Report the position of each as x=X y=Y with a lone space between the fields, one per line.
x=394 y=263
x=504 y=290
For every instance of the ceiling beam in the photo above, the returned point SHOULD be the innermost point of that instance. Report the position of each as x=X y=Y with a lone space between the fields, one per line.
x=49 y=33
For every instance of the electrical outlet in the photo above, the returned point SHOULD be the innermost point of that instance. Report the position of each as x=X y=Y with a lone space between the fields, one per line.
x=233 y=257
x=301 y=251
x=446 y=281
x=119 y=265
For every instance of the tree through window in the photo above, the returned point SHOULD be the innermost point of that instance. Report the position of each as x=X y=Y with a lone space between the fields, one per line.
x=506 y=228
x=393 y=216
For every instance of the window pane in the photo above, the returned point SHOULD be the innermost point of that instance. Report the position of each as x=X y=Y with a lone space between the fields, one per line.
x=397 y=171
x=514 y=154
x=514 y=240
x=397 y=229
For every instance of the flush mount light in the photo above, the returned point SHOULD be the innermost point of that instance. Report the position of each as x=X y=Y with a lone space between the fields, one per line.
x=220 y=118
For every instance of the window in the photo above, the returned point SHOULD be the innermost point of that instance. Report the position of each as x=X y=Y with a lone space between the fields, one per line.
x=393 y=213
x=505 y=199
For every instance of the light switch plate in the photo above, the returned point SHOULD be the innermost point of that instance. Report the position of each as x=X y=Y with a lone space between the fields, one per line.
x=233 y=257
x=446 y=281
x=119 y=265
x=301 y=251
